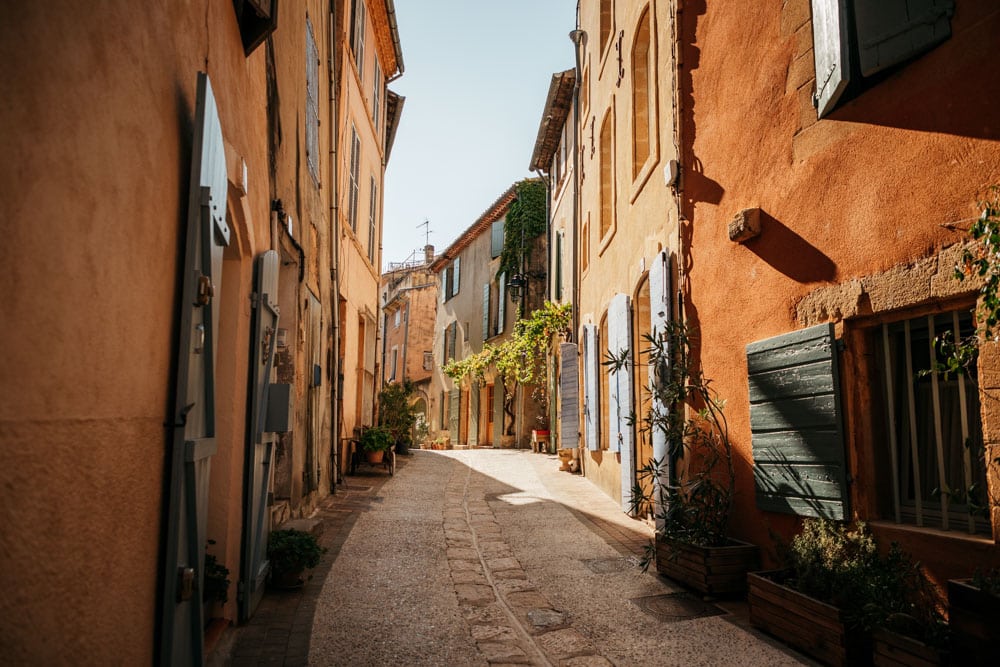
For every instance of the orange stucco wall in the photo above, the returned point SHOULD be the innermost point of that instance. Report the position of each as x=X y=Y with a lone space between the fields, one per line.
x=868 y=189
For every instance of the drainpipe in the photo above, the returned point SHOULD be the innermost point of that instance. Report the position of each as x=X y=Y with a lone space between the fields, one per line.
x=334 y=124
x=579 y=38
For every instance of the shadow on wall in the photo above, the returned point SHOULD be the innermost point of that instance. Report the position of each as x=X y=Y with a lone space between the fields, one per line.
x=952 y=89
x=789 y=253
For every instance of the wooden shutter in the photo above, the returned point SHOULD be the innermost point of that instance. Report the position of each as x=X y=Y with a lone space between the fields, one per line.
x=891 y=32
x=455 y=405
x=569 y=395
x=831 y=49
x=496 y=239
x=486 y=311
x=474 y=415
x=660 y=315
x=456 y=280
x=559 y=263
x=620 y=392
x=795 y=421
x=591 y=387
x=454 y=341
x=501 y=302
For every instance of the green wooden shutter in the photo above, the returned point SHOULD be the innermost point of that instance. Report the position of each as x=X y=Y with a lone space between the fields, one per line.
x=501 y=302
x=455 y=404
x=831 y=52
x=890 y=32
x=795 y=421
x=474 y=415
x=569 y=395
x=486 y=311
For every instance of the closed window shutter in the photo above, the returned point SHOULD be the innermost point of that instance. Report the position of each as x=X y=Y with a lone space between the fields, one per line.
x=474 y=415
x=831 y=49
x=620 y=392
x=454 y=340
x=444 y=350
x=569 y=395
x=559 y=262
x=501 y=302
x=591 y=387
x=496 y=239
x=455 y=276
x=891 y=32
x=486 y=311
x=660 y=315
x=455 y=404
x=795 y=422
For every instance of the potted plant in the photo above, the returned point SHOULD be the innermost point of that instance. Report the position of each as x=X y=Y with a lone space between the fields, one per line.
x=376 y=441
x=692 y=510
x=215 y=588
x=974 y=616
x=291 y=552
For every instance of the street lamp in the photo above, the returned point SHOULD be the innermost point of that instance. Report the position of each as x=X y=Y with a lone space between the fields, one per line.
x=517 y=283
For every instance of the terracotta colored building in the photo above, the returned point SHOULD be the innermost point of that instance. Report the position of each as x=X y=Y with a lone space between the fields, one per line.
x=172 y=336
x=825 y=180
x=409 y=307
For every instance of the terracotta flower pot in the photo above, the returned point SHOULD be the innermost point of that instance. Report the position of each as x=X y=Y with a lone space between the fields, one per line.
x=375 y=457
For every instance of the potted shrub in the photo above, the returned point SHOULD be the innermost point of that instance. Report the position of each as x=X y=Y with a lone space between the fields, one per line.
x=691 y=544
x=376 y=441
x=290 y=553
x=396 y=413
x=974 y=616
x=215 y=588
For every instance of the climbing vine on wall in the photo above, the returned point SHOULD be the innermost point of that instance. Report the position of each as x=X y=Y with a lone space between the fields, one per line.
x=527 y=212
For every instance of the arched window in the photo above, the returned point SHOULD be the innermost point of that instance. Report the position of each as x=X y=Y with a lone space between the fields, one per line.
x=606 y=175
x=642 y=115
x=606 y=12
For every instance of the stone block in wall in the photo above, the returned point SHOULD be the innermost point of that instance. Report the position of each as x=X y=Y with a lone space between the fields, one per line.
x=830 y=304
x=745 y=225
x=944 y=283
x=801 y=72
x=900 y=286
x=794 y=14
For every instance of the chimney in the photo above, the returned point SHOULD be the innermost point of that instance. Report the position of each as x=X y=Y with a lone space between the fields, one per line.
x=428 y=254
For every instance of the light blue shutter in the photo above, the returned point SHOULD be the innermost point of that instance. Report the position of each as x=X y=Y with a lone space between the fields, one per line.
x=501 y=302
x=620 y=392
x=569 y=396
x=591 y=387
x=891 y=31
x=496 y=239
x=486 y=311
x=831 y=51
x=660 y=314
x=455 y=276
x=795 y=423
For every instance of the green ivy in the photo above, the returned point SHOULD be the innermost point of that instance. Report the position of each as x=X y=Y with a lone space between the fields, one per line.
x=527 y=212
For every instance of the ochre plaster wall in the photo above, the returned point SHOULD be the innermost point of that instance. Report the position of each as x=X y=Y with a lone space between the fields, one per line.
x=103 y=102
x=865 y=192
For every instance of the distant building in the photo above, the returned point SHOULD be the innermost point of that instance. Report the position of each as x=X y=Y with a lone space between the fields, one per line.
x=409 y=309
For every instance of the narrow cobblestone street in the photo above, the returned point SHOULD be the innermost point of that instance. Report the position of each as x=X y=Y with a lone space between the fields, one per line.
x=490 y=557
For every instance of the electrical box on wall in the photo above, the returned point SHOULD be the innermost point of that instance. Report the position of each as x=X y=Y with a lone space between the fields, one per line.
x=280 y=408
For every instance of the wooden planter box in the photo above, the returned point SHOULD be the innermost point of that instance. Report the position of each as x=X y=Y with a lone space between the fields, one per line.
x=974 y=618
x=708 y=570
x=813 y=627
x=893 y=649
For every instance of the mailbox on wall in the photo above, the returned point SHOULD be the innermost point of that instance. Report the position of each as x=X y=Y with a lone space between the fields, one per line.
x=280 y=408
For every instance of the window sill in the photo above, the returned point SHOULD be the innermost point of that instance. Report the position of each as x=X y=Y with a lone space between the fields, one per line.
x=952 y=536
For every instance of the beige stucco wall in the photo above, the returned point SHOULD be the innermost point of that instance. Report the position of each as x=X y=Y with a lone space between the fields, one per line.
x=644 y=212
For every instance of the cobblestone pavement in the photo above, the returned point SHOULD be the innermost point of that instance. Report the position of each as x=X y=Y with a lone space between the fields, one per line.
x=493 y=557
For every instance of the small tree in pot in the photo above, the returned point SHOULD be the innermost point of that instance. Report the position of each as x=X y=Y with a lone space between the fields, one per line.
x=290 y=553
x=396 y=414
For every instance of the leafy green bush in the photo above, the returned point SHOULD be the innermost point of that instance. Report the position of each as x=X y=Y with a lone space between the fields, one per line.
x=841 y=566
x=292 y=551
x=216 y=585
x=395 y=413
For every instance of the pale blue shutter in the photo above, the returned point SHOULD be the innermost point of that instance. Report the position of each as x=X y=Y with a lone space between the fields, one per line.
x=591 y=387
x=620 y=392
x=660 y=315
x=454 y=405
x=831 y=51
x=455 y=276
x=795 y=421
x=496 y=239
x=501 y=302
x=569 y=396
x=486 y=311
x=890 y=32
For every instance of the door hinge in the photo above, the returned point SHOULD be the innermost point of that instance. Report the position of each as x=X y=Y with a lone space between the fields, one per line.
x=254 y=299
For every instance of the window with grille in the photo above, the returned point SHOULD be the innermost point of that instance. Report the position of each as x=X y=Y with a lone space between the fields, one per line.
x=933 y=436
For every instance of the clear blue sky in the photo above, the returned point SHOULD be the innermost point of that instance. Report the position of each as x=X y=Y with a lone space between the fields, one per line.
x=477 y=73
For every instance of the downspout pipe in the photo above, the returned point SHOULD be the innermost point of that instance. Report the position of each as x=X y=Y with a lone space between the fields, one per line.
x=579 y=38
x=334 y=124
